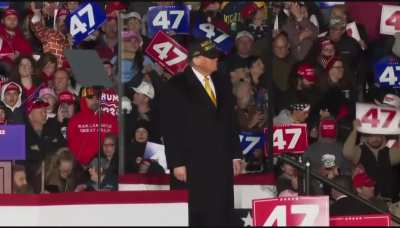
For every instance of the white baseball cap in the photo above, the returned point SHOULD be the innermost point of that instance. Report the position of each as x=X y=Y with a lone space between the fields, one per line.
x=145 y=88
x=328 y=160
x=244 y=33
x=133 y=15
x=392 y=100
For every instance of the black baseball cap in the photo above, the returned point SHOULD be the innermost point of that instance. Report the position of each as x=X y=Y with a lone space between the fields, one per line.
x=204 y=47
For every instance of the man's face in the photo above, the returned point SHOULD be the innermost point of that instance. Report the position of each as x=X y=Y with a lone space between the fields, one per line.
x=366 y=192
x=108 y=147
x=244 y=45
x=61 y=80
x=109 y=70
x=281 y=47
x=139 y=99
x=375 y=141
x=301 y=116
x=38 y=115
x=11 y=97
x=335 y=33
x=11 y=22
x=20 y=179
x=92 y=103
x=65 y=169
x=141 y=135
x=306 y=83
x=288 y=170
x=207 y=65
x=110 y=28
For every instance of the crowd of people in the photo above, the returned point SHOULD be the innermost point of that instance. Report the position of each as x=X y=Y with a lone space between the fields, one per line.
x=294 y=58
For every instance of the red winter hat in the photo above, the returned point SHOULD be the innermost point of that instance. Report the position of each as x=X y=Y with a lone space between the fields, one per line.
x=307 y=72
x=38 y=103
x=10 y=12
x=362 y=179
x=66 y=97
x=248 y=10
x=327 y=128
x=62 y=12
x=114 y=6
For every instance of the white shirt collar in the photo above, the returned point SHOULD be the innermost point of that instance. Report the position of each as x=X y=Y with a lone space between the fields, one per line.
x=201 y=78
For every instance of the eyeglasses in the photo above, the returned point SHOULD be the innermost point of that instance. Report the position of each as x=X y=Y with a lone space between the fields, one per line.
x=109 y=144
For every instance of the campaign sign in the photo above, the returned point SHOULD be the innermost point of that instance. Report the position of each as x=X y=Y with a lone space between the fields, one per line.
x=12 y=142
x=207 y=30
x=390 y=20
x=85 y=20
x=351 y=30
x=288 y=138
x=168 y=53
x=168 y=18
x=250 y=141
x=327 y=5
x=387 y=72
x=4 y=5
x=378 y=119
x=291 y=211
x=378 y=220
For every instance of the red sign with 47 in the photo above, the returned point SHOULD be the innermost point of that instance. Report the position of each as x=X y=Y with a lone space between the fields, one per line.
x=168 y=53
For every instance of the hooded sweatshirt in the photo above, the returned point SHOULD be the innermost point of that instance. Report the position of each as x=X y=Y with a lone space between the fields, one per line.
x=83 y=129
x=15 y=114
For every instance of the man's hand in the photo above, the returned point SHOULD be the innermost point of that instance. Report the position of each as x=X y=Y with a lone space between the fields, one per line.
x=180 y=173
x=356 y=124
x=237 y=167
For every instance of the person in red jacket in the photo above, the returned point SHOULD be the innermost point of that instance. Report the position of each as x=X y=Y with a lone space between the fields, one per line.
x=83 y=127
x=12 y=40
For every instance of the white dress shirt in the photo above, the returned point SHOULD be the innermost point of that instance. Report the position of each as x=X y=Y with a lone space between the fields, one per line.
x=202 y=79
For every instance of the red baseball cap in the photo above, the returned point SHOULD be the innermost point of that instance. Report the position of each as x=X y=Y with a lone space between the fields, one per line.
x=36 y=104
x=66 y=97
x=12 y=86
x=362 y=179
x=327 y=128
x=10 y=12
x=114 y=6
x=248 y=10
x=307 y=72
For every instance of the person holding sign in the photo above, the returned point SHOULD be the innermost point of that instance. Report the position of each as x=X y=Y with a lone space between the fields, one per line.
x=201 y=143
x=376 y=157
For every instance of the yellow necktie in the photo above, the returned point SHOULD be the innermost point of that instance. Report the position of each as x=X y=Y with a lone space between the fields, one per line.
x=209 y=91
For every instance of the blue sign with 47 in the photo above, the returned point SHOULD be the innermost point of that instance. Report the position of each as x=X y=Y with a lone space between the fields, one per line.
x=250 y=141
x=207 y=30
x=83 y=21
x=387 y=72
x=168 y=19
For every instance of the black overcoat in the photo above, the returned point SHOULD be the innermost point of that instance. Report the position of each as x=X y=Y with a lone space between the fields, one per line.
x=203 y=138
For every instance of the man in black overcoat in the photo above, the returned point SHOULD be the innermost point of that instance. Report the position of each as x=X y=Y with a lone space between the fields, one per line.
x=200 y=136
